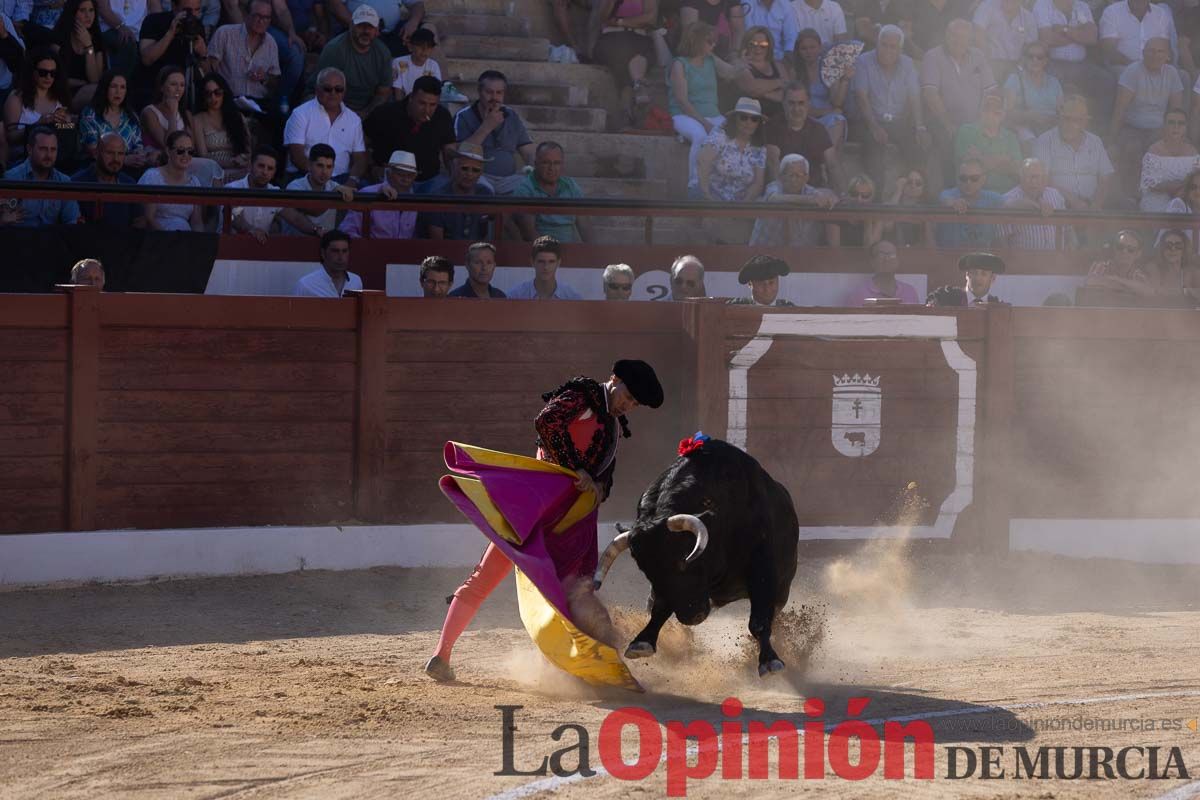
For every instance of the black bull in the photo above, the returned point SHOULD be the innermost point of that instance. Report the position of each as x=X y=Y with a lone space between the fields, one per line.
x=711 y=529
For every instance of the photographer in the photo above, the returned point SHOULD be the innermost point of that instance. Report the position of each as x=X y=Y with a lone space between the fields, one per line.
x=169 y=37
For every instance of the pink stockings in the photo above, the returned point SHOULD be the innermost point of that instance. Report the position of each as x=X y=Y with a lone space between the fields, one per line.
x=488 y=573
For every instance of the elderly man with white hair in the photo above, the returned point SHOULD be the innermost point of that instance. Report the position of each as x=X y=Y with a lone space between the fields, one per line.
x=618 y=282
x=1032 y=194
x=326 y=119
x=792 y=188
x=687 y=278
x=888 y=96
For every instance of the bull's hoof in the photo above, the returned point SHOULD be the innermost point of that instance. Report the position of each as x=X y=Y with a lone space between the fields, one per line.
x=769 y=667
x=639 y=650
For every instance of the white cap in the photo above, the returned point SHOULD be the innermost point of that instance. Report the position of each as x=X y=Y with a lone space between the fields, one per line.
x=366 y=14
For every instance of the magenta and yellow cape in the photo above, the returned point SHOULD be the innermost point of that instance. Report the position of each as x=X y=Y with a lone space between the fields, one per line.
x=531 y=510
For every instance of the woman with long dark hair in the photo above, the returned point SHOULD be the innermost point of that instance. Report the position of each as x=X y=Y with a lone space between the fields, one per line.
x=42 y=98
x=219 y=129
x=109 y=112
x=76 y=38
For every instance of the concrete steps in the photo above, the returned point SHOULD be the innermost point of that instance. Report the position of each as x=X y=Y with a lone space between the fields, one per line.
x=621 y=188
x=596 y=81
x=479 y=24
x=494 y=48
x=535 y=94
x=626 y=156
x=483 y=7
x=563 y=118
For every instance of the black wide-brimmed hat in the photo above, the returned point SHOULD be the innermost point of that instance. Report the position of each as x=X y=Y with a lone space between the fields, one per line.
x=642 y=382
x=760 y=268
x=981 y=261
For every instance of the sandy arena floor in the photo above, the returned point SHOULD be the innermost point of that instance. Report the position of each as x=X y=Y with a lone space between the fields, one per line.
x=309 y=684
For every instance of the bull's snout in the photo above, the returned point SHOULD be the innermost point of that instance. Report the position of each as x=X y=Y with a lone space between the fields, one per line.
x=694 y=616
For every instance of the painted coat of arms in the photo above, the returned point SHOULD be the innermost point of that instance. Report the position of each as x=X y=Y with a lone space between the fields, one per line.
x=857 y=414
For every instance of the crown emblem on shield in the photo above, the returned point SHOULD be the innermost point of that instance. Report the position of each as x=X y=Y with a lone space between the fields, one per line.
x=857 y=414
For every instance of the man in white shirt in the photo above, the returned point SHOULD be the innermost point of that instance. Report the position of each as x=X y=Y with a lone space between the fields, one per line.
x=824 y=16
x=1078 y=164
x=257 y=220
x=1126 y=26
x=327 y=120
x=1067 y=28
x=319 y=178
x=547 y=256
x=1032 y=194
x=334 y=277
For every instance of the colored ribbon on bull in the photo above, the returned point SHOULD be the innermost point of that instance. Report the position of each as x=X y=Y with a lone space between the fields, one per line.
x=531 y=510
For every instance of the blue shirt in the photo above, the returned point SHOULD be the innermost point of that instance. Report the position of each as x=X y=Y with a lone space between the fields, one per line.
x=501 y=144
x=117 y=215
x=39 y=213
x=527 y=291
x=560 y=226
x=968 y=234
x=454 y=224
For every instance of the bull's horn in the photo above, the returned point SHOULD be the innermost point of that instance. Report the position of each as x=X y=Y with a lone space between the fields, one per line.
x=618 y=545
x=689 y=522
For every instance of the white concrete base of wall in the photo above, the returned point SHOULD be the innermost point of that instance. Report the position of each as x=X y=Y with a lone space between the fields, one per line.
x=1150 y=541
x=35 y=559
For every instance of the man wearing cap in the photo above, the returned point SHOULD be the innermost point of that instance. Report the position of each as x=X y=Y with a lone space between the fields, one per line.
x=462 y=180
x=763 y=274
x=576 y=429
x=418 y=124
x=363 y=59
x=498 y=129
x=980 y=271
x=390 y=223
x=398 y=19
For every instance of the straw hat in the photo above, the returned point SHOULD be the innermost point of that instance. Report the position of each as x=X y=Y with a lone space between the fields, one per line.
x=403 y=161
x=748 y=105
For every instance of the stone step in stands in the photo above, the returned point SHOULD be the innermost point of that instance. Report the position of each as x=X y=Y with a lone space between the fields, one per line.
x=494 y=49
x=485 y=7
x=562 y=118
x=596 y=81
x=478 y=24
x=622 y=189
x=534 y=94
x=631 y=157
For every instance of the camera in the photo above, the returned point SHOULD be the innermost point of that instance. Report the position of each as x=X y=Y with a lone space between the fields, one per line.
x=190 y=27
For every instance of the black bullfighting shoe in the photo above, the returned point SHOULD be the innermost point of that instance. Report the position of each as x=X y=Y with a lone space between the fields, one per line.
x=437 y=668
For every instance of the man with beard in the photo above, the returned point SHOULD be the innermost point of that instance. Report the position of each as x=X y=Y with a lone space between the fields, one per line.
x=39 y=166
x=979 y=274
x=481 y=266
x=547 y=257
x=498 y=129
x=257 y=220
x=106 y=169
x=418 y=124
x=363 y=59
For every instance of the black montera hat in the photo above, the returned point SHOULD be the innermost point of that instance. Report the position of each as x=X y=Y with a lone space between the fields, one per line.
x=642 y=382
x=981 y=261
x=760 y=268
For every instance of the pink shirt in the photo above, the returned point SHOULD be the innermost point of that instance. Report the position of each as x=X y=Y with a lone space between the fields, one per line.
x=858 y=295
x=384 y=224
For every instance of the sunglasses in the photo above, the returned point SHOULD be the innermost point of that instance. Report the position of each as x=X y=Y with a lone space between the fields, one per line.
x=1129 y=248
x=746 y=118
x=1175 y=245
x=620 y=287
x=47 y=73
x=215 y=93
x=185 y=151
x=472 y=170
x=333 y=89
x=969 y=178
x=760 y=45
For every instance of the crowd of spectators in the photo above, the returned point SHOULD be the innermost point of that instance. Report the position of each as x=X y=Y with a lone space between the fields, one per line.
x=1041 y=106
